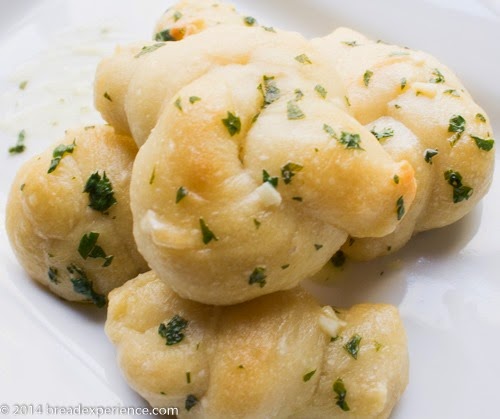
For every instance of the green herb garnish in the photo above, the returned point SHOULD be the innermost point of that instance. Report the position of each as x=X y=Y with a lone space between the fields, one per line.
x=438 y=77
x=481 y=117
x=451 y=92
x=460 y=191
x=484 y=144
x=339 y=388
x=182 y=192
x=350 y=140
x=154 y=47
x=206 y=233
x=153 y=175
x=286 y=266
x=396 y=179
x=269 y=90
x=403 y=83
x=59 y=153
x=100 y=190
x=83 y=286
x=249 y=20
x=23 y=84
x=256 y=223
x=194 y=99
x=308 y=376
x=177 y=15
x=266 y=177
x=293 y=111
x=352 y=346
x=367 y=77
x=320 y=90
x=289 y=170
x=385 y=133
x=258 y=276
x=173 y=330
x=107 y=96
x=429 y=154
x=52 y=273
x=188 y=377
x=19 y=147
x=298 y=94
x=351 y=43
x=232 y=123
x=88 y=248
x=178 y=104
x=400 y=207
x=457 y=124
x=318 y=246
x=303 y=59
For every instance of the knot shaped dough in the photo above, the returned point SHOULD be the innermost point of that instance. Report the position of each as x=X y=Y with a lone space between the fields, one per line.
x=422 y=114
x=251 y=179
x=271 y=357
x=48 y=214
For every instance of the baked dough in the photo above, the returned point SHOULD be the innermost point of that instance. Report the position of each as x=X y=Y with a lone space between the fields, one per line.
x=188 y=17
x=429 y=119
x=272 y=357
x=53 y=229
x=265 y=160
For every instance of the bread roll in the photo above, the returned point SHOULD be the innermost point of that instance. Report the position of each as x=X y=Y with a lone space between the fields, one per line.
x=68 y=215
x=278 y=356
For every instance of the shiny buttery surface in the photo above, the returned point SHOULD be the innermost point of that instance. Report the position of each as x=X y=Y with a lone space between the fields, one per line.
x=445 y=282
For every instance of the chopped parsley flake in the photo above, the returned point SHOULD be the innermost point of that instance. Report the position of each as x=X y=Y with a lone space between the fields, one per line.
x=297 y=198
x=154 y=47
x=188 y=377
x=460 y=191
x=303 y=59
x=400 y=207
x=59 y=153
x=438 y=77
x=334 y=338
x=173 y=330
x=23 y=84
x=177 y=15
x=232 y=123
x=347 y=101
x=52 y=273
x=257 y=223
x=100 y=190
x=83 y=286
x=206 y=233
x=320 y=90
x=318 y=246
x=285 y=266
x=385 y=133
x=194 y=99
x=266 y=177
x=191 y=402
x=377 y=345
x=293 y=111
x=181 y=193
x=289 y=170
x=298 y=94
x=249 y=20
x=352 y=346
x=178 y=104
x=330 y=131
x=107 y=96
x=367 y=77
x=88 y=248
x=269 y=29
x=269 y=90
x=451 y=92
x=429 y=154
x=350 y=140
x=483 y=144
x=457 y=124
x=396 y=179
x=258 y=276
x=308 y=376
x=339 y=388
x=481 y=117
x=19 y=147
x=351 y=43
x=338 y=259
x=164 y=36
x=22 y=186
x=403 y=83
x=153 y=175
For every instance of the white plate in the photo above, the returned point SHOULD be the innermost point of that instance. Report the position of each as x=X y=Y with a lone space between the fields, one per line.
x=445 y=282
